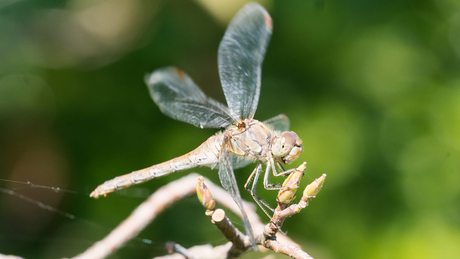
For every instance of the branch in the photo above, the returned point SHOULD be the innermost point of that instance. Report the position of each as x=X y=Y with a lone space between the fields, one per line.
x=2 y=256
x=268 y=239
x=141 y=217
x=268 y=236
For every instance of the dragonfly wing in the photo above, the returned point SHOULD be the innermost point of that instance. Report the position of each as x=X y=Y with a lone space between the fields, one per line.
x=228 y=181
x=240 y=161
x=279 y=122
x=240 y=57
x=179 y=97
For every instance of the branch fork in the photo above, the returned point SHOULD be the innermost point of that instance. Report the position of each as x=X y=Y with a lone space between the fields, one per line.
x=268 y=235
x=268 y=239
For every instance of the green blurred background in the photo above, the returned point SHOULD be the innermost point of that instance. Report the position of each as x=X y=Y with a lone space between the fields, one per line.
x=371 y=87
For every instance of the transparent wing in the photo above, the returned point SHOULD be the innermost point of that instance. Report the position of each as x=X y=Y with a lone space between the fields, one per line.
x=227 y=178
x=279 y=122
x=178 y=97
x=240 y=57
x=240 y=161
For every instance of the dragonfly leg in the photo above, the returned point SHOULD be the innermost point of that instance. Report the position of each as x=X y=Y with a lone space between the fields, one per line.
x=257 y=199
x=269 y=186
x=280 y=166
x=283 y=171
x=251 y=177
x=255 y=176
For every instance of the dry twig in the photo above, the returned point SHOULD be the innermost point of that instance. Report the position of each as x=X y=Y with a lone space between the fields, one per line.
x=239 y=243
x=141 y=217
x=268 y=238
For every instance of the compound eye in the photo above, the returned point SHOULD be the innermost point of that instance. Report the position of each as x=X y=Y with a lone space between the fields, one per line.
x=287 y=139
x=284 y=144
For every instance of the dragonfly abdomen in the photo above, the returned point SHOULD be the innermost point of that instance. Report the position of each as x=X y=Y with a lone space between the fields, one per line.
x=207 y=154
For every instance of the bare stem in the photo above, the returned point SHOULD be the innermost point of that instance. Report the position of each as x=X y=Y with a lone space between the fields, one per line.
x=240 y=242
x=141 y=217
x=266 y=236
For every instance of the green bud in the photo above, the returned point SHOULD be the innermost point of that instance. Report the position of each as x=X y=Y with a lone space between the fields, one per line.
x=313 y=188
x=204 y=195
x=287 y=194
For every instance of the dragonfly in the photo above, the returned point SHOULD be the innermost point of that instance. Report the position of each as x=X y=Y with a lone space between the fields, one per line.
x=244 y=140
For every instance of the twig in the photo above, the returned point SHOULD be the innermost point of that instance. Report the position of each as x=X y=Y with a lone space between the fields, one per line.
x=173 y=247
x=141 y=217
x=266 y=236
x=240 y=242
x=2 y=256
x=154 y=205
x=202 y=251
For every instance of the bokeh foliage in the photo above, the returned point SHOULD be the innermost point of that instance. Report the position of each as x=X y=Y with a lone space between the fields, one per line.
x=372 y=88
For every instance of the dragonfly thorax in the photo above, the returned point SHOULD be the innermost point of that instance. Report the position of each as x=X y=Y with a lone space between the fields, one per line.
x=252 y=141
x=287 y=147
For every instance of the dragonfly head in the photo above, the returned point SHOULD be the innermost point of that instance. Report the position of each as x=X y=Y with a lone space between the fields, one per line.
x=287 y=147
